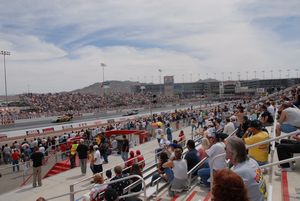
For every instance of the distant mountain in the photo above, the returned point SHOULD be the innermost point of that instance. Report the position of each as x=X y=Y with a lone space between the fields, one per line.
x=109 y=86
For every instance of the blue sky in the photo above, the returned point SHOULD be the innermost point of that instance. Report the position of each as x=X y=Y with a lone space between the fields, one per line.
x=59 y=45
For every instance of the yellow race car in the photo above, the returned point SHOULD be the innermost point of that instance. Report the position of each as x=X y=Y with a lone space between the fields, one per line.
x=65 y=118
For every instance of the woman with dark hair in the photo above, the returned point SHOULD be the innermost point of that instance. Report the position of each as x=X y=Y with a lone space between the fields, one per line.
x=165 y=173
x=228 y=186
x=135 y=170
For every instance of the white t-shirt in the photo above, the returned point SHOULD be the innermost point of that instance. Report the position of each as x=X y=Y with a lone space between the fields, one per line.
x=253 y=179
x=214 y=150
x=229 y=128
x=97 y=156
x=158 y=132
x=180 y=169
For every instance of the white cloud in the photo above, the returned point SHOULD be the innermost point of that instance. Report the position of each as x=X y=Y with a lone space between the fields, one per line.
x=59 y=45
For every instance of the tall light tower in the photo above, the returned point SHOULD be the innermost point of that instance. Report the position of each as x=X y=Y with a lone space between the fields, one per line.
x=263 y=74
x=271 y=74
x=5 y=53
x=159 y=70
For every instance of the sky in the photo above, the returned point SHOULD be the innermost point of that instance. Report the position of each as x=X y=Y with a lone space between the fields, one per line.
x=59 y=45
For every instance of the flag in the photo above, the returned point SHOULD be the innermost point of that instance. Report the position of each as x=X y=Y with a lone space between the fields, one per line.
x=103 y=64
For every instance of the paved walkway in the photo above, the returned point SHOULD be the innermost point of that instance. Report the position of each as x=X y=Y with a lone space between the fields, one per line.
x=60 y=184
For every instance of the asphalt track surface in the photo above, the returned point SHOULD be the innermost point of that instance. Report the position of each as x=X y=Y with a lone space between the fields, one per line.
x=97 y=116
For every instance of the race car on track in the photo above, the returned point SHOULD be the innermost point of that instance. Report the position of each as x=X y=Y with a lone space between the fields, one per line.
x=65 y=118
x=131 y=112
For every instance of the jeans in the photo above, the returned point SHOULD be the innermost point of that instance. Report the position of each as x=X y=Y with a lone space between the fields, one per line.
x=15 y=164
x=124 y=155
x=204 y=174
x=105 y=157
x=168 y=172
x=286 y=128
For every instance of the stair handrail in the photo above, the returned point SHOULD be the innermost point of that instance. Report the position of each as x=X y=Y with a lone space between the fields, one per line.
x=72 y=192
x=270 y=195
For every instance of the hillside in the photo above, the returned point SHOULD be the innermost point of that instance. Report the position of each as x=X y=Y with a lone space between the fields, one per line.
x=116 y=86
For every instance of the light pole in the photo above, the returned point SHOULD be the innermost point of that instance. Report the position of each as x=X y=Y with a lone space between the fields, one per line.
x=247 y=74
x=5 y=53
x=239 y=76
x=263 y=74
x=223 y=76
x=254 y=74
x=103 y=65
x=279 y=74
x=159 y=70
x=288 y=73
x=271 y=74
x=296 y=73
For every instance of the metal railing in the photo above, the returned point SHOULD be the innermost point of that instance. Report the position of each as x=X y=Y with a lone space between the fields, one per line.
x=140 y=179
x=257 y=144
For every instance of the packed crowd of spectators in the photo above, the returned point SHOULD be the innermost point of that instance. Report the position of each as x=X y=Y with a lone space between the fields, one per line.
x=249 y=119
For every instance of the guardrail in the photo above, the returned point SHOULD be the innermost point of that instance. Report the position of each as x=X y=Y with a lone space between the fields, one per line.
x=72 y=192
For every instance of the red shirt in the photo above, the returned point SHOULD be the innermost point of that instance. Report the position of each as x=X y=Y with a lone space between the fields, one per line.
x=15 y=156
x=63 y=147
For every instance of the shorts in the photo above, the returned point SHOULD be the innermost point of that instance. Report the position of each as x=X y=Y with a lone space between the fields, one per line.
x=98 y=168
x=287 y=128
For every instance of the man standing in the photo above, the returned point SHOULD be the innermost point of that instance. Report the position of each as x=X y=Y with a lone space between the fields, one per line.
x=97 y=160
x=37 y=159
x=159 y=132
x=246 y=168
x=82 y=151
x=15 y=160
x=125 y=148
x=169 y=132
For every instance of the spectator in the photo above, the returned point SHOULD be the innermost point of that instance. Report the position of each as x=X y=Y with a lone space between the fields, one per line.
x=37 y=159
x=140 y=159
x=97 y=160
x=159 y=133
x=135 y=170
x=243 y=127
x=63 y=150
x=181 y=136
x=169 y=132
x=246 y=168
x=265 y=117
x=203 y=147
x=228 y=186
x=15 y=160
x=191 y=157
x=254 y=135
x=119 y=186
x=125 y=148
x=289 y=120
x=179 y=167
x=215 y=149
x=73 y=154
x=229 y=126
x=285 y=150
x=82 y=151
x=130 y=161
x=165 y=173
x=98 y=188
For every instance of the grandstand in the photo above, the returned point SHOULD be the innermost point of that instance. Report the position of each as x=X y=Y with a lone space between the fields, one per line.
x=71 y=185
